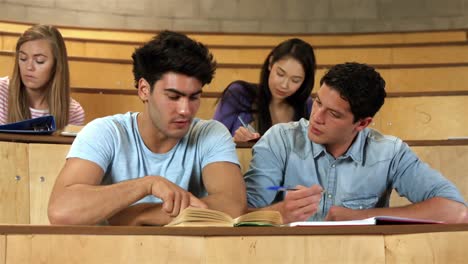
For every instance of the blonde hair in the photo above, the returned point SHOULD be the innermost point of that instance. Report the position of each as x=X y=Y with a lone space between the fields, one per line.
x=58 y=91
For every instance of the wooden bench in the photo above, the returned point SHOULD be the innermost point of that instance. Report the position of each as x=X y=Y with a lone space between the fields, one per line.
x=249 y=39
x=410 y=118
x=422 y=53
x=117 y=74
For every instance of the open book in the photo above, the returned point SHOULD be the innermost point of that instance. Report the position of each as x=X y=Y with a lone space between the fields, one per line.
x=192 y=216
x=377 y=220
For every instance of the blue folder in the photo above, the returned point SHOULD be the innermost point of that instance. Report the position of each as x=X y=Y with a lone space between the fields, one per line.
x=44 y=125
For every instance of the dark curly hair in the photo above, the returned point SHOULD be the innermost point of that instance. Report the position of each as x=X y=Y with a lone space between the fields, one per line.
x=173 y=52
x=360 y=85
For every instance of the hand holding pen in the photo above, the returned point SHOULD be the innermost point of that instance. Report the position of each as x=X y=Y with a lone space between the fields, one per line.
x=245 y=133
x=300 y=203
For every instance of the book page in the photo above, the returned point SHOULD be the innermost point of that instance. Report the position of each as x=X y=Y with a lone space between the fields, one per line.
x=367 y=221
x=377 y=220
x=260 y=217
x=201 y=217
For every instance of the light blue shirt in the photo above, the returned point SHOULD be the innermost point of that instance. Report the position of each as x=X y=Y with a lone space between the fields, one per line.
x=362 y=178
x=114 y=143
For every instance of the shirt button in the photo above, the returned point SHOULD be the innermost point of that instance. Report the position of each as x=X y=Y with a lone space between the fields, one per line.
x=329 y=196
x=360 y=207
x=333 y=166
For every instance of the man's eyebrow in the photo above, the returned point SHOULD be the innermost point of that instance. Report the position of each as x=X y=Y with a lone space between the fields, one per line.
x=328 y=108
x=173 y=90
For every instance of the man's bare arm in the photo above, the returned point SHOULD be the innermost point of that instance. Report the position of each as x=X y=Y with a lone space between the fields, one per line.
x=226 y=188
x=78 y=198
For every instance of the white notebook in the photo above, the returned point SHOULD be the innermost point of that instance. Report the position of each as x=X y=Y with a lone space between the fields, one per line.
x=377 y=220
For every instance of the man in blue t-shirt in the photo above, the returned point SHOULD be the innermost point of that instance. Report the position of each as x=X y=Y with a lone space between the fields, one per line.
x=144 y=168
x=340 y=168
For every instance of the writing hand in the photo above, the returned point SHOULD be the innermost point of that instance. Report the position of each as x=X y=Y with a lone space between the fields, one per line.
x=301 y=204
x=242 y=134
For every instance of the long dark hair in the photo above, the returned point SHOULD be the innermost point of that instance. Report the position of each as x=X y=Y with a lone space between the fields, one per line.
x=260 y=95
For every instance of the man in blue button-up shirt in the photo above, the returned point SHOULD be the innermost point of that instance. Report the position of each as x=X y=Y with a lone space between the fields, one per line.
x=340 y=168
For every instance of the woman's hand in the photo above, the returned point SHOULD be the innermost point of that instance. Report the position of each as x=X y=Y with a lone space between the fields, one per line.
x=242 y=134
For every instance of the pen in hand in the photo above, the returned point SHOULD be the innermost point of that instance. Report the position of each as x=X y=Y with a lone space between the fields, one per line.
x=248 y=126
x=281 y=188
x=284 y=188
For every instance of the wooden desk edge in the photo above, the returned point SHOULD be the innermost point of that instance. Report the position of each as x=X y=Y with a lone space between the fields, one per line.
x=230 y=231
x=58 y=139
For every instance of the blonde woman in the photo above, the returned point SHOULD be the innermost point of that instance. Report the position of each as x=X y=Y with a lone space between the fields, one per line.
x=40 y=83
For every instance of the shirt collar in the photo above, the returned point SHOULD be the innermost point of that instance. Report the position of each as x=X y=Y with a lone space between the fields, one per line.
x=355 y=151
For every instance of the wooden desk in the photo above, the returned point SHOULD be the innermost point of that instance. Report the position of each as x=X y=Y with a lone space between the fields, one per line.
x=30 y=165
x=352 y=244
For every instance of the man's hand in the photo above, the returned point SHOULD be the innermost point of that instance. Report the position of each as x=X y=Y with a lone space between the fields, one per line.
x=174 y=198
x=242 y=134
x=300 y=204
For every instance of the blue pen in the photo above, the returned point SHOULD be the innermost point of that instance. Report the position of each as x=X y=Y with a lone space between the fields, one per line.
x=248 y=126
x=281 y=188
x=284 y=189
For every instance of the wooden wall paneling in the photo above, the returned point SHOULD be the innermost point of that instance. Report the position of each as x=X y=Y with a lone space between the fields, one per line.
x=118 y=75
x=7 y=63
x=2 y=249
x=331 y=56
x=207 y=108
x=240 y=55
x=245 y=156
x=257 y=39
x=447 y=247
x=224 y=76
x=76 y=48
x=431 y=54
x=59 y=249
x=110 y=50
x=443 y=78
x=14 y=183
x=105 y=75
x=45 y=163
x=9 y=42
x=99 y=105
x=386 y=38
x=296 y=249
x=424 y=118
x=103 y=34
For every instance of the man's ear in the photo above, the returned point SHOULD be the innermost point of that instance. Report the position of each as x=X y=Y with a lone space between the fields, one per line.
x=363 y=123
x=143 y=89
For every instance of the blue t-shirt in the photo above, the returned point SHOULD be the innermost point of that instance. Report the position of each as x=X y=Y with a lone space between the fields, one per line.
x=362 y=178
x=114 y=143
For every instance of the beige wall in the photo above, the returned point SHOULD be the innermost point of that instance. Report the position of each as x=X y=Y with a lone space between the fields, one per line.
x=298 y=16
